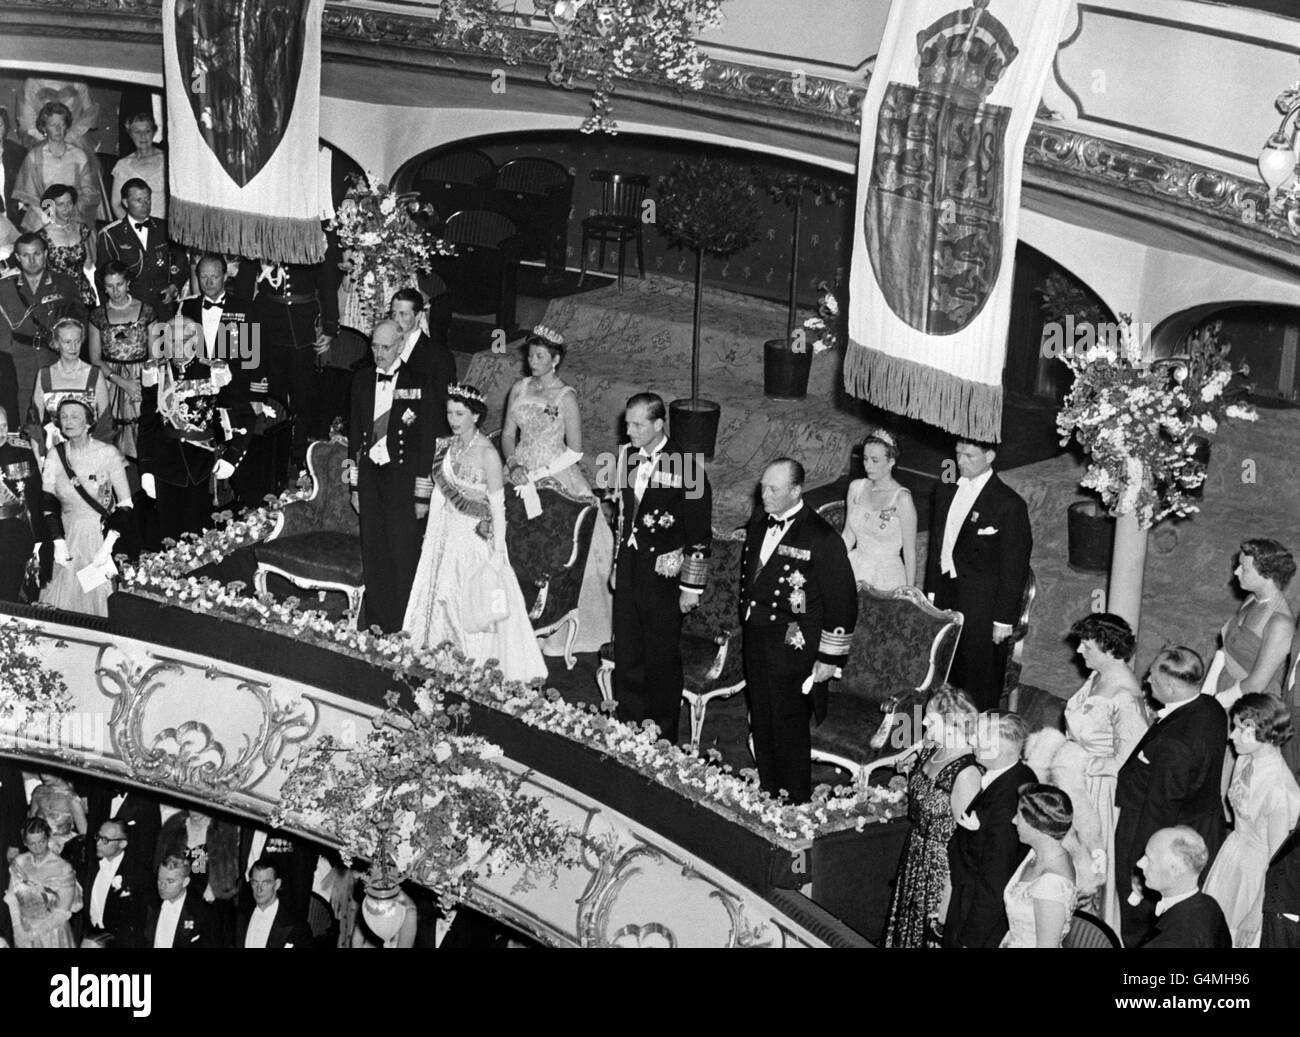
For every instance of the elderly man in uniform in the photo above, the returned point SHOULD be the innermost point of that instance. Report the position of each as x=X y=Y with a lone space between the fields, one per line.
x=798 y=604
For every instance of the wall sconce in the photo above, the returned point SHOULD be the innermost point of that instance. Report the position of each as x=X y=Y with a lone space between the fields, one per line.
x=1281 y=154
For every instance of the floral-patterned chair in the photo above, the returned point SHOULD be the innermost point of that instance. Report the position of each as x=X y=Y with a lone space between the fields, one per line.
x=902 y=648
x=712 y=662
x=549 y=556
x=316 y=543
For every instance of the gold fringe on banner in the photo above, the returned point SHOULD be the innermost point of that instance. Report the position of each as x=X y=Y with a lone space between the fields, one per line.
x=959 y=406
x=214 y=229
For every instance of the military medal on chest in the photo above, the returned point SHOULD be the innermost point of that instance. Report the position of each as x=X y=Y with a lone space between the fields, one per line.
x=798 y=596
x=794 y=637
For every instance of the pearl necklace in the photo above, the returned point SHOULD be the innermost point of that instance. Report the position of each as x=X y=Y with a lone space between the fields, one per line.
x=459 y=447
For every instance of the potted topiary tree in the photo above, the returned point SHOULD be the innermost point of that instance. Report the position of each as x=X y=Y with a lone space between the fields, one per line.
x=787 y=361
x=712 y=208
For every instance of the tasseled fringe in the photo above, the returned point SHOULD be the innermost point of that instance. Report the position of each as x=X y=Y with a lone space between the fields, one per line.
x=276 y=239
x=906 y=387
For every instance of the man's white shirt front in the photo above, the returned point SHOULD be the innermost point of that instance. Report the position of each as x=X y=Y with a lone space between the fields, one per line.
x=259 y=925
x=108 y=867
x=962 y=502
x=212 y=321
x=774 y=533
x=169 y=917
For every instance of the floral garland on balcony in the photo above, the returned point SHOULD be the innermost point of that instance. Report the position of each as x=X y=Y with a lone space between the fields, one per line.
x=33 y=698
x=621 y=39
x=386 y=243
x=733 y=794
x=418 y=798
x=1144 y=423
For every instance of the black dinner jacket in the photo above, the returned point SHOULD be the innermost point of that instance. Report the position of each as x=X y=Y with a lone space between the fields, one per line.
x=196 y=928
x=411 y=443
x=1173 y=777
x=14 y=154
x=992 y=567
x=1282 y=880
x=1195 y=922
x=140 y=814
x=812 y=548
x=981 y=862
x=126 y=907
x=439 y=367
x=286 y=930
x=9 y=390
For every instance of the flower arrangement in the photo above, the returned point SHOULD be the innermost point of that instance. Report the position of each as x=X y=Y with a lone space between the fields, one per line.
x=33 y=698
x=827 y=329
x=386 y=242
x=1141 y=422
x=623 y=39
x=419 y=798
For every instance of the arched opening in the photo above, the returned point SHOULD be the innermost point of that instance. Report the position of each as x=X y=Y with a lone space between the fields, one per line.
x=1265 y=337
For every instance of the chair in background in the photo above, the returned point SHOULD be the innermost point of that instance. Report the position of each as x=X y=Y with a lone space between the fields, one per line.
x=455 y=180
x=712 y=662
x=1015 y=664
x=1089 y=931
x=549 y=557
x=482 y=275
x=902 y=649
x=316 y=543
x=619 y=220
x=537 y=195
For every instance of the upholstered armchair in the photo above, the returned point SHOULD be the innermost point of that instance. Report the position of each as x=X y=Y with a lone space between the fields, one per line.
x=902 y=648
x=316 y=543
x=549 y=556
x=712 y=661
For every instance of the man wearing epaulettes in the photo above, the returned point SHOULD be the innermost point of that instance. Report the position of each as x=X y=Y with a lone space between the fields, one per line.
x=158 y=269
x=798 y=604
x=661 y=559
x=22 y=519
x=195 y=424
x=33 y=299
x=296 y=308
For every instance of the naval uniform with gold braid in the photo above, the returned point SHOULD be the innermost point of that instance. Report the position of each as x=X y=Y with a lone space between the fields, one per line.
x=662 y=548
x=797 y=609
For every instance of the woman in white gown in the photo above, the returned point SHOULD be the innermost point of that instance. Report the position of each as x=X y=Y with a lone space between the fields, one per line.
x=880 y=519
x=466 y=531
x=542 y=443
x=1265 y=801
x=1040 y=897
x=1106 y=717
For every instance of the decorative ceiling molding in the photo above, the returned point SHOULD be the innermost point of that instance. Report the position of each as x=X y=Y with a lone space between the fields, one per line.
x=1202 y=200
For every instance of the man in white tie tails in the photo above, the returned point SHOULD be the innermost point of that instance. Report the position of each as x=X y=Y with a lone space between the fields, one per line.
x=116 y=895
x=978 y=564
x=269 y=923
x=181 y=919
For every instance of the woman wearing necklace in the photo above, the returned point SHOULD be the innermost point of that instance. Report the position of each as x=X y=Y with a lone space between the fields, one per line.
x=56 y=160
x=119 y=346
x=43 y=893
x=88 y=501
x=466 y=533
x=70 y=377
x=542 y=442
x=1256 y=640
x=1040 y=896
x=70 y=247
x=880 y=519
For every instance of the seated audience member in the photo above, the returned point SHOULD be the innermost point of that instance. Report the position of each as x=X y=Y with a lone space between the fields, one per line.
x=1265 y=801
x=1040 y=896
x=1282 y=896
x=295 y=866
x=985 y=852
x=116 y=896
x=211 y=845
x=43 y=894
x=181 y=919
x=1185 y=917
x=1171 y=778
x=138 y=811
x=269 y=923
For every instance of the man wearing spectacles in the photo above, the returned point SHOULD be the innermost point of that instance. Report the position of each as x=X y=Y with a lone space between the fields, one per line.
x=115 y=896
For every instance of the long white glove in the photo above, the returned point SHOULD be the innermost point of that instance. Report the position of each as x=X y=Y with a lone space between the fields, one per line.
x=149 y=486
x=105 y=551
x=61 y=554
x=565 y=460
x=497 y=502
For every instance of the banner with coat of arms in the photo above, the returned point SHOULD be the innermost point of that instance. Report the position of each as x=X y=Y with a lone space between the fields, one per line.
x=944 y=125
x=243 y=126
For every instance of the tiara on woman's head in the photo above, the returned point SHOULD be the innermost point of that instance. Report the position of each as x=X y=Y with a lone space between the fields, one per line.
x=465 y=392
x=548 y=335
x=885 y=437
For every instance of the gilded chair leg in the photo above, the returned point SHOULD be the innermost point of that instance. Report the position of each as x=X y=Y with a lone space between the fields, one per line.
x=605 y=681
x=569 y=659
x=699 y=704
x=259 y=580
